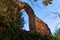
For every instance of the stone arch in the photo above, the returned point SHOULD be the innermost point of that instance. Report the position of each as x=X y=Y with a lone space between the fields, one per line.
x=35 y=24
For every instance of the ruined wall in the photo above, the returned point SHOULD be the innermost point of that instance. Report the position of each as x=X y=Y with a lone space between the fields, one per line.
x=35 y=24
x=41 y=27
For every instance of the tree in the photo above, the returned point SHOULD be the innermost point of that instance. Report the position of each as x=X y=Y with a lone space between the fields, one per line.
x=11 y=20
x=57 y=34
x=45 y=2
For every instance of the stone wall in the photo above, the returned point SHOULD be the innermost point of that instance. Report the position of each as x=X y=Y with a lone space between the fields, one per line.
x=35 y=24
x=41 y=27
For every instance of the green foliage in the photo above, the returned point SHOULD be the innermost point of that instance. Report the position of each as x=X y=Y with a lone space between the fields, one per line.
x=23 y=35
x=57 y=34
x=9 y=15
x=11 y=19
x=26 y=35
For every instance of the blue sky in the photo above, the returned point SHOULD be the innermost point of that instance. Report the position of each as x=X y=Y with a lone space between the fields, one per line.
x=42 y=11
